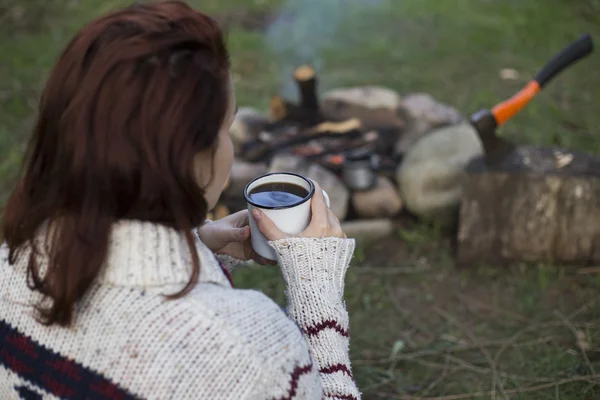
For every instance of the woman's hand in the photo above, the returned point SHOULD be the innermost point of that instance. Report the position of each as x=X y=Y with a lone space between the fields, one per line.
x=322 y=224
x=231 y=235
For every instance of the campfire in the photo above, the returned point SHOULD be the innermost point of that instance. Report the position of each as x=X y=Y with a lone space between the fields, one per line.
x=320 y=135
x=349 y=150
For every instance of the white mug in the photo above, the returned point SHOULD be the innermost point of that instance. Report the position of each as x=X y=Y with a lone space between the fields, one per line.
x=292 y=219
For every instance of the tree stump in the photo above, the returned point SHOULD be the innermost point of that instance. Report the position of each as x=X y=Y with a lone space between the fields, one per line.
x=538 y=204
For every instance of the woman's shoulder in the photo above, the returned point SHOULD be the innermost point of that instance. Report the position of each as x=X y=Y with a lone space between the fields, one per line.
x=245 y=313
x=225 y=325
x=218 y=329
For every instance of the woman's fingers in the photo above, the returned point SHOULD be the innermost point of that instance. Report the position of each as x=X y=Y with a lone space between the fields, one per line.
x=319 y=223
x=251 y=254
x=239 y=219
x=266 y=226
x=335 y=228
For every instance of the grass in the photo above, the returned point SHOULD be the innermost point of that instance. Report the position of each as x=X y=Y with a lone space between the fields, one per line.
x=420 y=327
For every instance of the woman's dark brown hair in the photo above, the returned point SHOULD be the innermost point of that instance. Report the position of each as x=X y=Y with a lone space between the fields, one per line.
x=133 y=98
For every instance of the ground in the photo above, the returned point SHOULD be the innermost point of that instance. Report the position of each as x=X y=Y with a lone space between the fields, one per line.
x=421 y=327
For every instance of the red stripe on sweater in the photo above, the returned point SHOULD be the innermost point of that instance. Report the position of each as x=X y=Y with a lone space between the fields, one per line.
x=295 y=377
x=227 y=274
x=23 y=344
x=341 y=396
x=14 y=364
x=225 y=271
x=107 y=390
x=66 y=367
x=58 y=389
x=327 y=324
x=332 y=369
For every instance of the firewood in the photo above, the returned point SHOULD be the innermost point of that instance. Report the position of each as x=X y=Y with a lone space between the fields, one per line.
x=256 y=151
x=367 y=140
x=310 y=149
x=307 y=85
x=278 y=108
x=539 y=205
x=338 y=127
x=286 y=112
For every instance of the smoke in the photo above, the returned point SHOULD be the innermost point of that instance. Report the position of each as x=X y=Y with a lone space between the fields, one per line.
x=304 y=29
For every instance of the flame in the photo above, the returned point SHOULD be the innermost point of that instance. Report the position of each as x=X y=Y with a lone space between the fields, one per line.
x=278 y=108
x=337 y=159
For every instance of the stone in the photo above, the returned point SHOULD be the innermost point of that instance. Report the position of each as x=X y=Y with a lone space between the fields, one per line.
x=429 y=177
x=247 y=126
x=288 y=163
x=375 y=106
x=424 y=114
x=339 y=195
x=372 y=97
x=381 y=201
x=368 y=228
x=242 y=173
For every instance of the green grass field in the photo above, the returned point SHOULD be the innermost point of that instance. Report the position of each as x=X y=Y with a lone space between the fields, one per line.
x=421 y=328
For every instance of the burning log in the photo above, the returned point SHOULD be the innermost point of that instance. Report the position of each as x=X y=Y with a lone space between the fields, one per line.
x=284 y=113
x=307 y=85
x=350 y=129
x=335 y=154
x=307 y=112
x=338 y=127
x=310 y=149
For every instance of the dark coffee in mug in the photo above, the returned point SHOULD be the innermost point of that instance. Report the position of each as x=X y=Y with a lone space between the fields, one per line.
x=277 y=194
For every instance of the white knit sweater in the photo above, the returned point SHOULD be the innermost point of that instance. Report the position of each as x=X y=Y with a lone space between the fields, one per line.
x=217 y=342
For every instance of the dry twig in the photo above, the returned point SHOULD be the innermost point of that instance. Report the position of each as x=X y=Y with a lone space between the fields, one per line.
x=391 y=271
x=535 y=327
x=520 y=333
x=462 y=346
x=480 y=370
x=575 y=333
x=529 y=389
x=481 y=304
x=405 y=315
x=583 y=308
x=483 y=350
x=588 y=270
x=433 y=384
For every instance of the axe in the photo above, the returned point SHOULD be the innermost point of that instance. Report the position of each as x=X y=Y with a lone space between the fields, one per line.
x=486 y=122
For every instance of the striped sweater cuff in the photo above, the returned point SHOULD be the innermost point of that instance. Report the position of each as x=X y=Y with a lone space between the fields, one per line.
x=309 y=264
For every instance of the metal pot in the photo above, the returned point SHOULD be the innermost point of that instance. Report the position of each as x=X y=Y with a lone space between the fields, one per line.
x=358 y=170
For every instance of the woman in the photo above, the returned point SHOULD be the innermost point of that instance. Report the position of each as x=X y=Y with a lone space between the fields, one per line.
x=108 y=291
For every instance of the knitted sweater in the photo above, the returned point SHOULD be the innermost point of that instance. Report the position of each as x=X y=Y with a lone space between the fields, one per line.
x=217 y=342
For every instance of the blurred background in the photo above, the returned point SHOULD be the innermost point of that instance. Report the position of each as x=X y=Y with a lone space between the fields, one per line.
x=420 y=326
